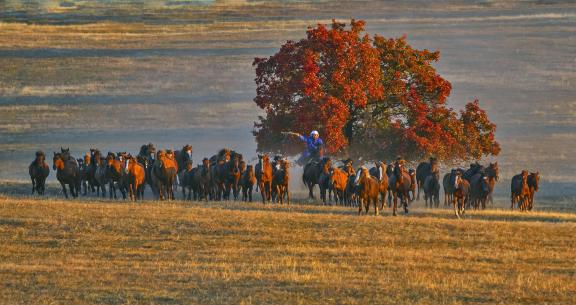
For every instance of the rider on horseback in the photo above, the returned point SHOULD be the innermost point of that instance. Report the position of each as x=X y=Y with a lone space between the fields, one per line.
x=313 y=147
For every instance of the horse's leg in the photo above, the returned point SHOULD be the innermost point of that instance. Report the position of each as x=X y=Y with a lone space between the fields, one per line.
x=419 y=185
x=64 y=190
x=455 y=207
x=310 y=189
x=395 y=203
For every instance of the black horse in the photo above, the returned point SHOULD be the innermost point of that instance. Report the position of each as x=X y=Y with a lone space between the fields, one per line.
x=424 y=170
x=39 y=171
x=67 y=172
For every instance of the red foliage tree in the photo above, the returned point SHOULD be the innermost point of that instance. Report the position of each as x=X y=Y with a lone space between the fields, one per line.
x=373 y=97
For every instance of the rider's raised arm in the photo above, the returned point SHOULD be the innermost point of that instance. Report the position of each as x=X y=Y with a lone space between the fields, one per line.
x=303 y=138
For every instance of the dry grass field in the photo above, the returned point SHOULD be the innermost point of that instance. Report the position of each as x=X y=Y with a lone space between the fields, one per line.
x=82 y=252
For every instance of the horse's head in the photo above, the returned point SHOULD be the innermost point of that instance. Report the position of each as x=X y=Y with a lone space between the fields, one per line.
x=242 y=166
x=485 y=184
x=206 y=163
x=457 y=179
x=189 y=165
x=57 y=161
x=87 y=159
x=110 y=158
x=265 y=159
x=493 y=171
x=40 y=157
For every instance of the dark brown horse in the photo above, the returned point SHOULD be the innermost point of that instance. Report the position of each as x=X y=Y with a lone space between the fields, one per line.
x=266 y=179
x=280 y=181
x=202 y=181
x=247 y=182
x=67 y=172
x=424 y=170
x=312 y=172
x=482 y=185
x=324 y=182
x=400 y=186
x=186 y=176
x=368 y=190
x=520 y=191
x=39 y=171
x=432 y=189
x=100 y=173
x=533 y=185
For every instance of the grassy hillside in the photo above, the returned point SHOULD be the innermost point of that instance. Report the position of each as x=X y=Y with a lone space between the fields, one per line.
x=55 y=252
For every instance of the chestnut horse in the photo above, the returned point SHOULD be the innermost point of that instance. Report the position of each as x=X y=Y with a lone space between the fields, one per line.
x=136 y=178
x=115 y=174
x=368 y=190
x=280 y=181
x=266 y=179
x=338 y=182
x=164 y=173
x=39 y=171
x=67 y=172
x=379 y=172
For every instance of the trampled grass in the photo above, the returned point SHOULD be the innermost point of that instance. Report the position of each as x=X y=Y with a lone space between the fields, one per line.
x=55 y=251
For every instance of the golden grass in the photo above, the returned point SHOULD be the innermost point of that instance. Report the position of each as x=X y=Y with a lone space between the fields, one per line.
x=74 y=252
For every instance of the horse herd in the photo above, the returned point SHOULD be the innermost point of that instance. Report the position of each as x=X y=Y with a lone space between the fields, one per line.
x=226 y=175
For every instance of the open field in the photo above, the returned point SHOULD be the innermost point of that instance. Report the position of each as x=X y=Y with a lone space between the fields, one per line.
x=78 y=252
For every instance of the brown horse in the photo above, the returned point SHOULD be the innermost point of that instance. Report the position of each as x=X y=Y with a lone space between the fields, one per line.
x=202 y=181
x=400 y=185
x=461 y=193
x=338 y=182
x=424 y=170
x=39 y=171
x=379 y=172
x=280 y=181
x=324 y=182
x=67 y=172
x=432 y=189
x=100 y=176
x=533 y=185
x=520 y=191
x=115 y=173
x=247 y=182
x=136 y=178
x=164 y=173
x=266 y=179
x=368 y=191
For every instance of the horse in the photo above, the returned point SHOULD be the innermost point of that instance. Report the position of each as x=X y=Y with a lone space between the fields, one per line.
x=202 y=181
x=67 y=172
x=164 y=173
x=520 y=191
x=423 y=170
x=482 y=185
x=448 y=188
x=324 y=182
x=258 y=171
x=266 y=179
x=115 y=173
x=233 y=174
x=431 y=187
x=146 y=157
x=280 y=181
x=379 y=172
x=338 y=183
x=39 y=171
x=247 y=183
x=312 y=172
x=183 y=156
x=186 y=179
x=84 y=167
x=400 y=185
x=351 y=190
x=100 y=173
x=219 y=178
x=136 y=176
x=461 y=192
x=533 y=184
x=368 y=190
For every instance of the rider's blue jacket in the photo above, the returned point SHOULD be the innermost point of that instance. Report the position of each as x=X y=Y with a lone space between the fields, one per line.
x=311 y=144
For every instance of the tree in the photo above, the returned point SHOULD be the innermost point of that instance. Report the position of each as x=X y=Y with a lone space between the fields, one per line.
x=368 y=96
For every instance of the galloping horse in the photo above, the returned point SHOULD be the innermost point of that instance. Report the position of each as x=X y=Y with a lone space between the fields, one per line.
x=247 y=182
x=164 y=173
x=39 y=171
x=379 y=172
x=520 y=191
x=423 y=170
x=136 y=178
x=461 y=192
x=312 y=172
x=266 y=179
x=432 y=189
x=202 y=181
x=533 y=184
x=368 y=190
x=338 y=182
x=116 y=175
x=400 y=185
x=67 y=172
x=187 y=179
x=280 y=181
x=482 y=185
x=324 y=182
